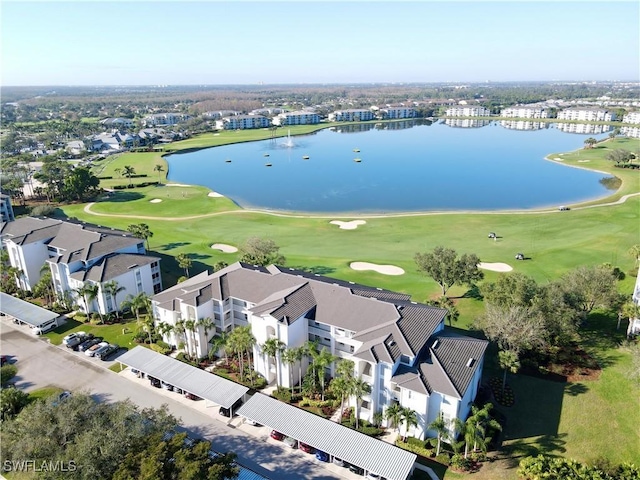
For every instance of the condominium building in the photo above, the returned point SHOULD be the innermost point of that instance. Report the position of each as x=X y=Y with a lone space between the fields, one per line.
x=587 y=114
x=351 y=115
x=631 y=117
x=6 y=209
x=399 y=347
x=296 y=118
x=80 y=255
x=242 y=122
x=164 y=119
x=524 y=111
x=467 y=111
x=392 y=112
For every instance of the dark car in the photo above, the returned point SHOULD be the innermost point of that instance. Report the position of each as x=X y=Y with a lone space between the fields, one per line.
x=226 y=412
x=155 y=382
x=87 y=344
x=74 y=342
x=109 y=352
x=322 y=456
x=276 y=435
x=191 y=396
x=306 y=448
x=356 y=470
x=3 y=359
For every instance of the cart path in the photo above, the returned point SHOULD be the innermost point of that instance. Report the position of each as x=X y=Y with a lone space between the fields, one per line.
x=87 y=209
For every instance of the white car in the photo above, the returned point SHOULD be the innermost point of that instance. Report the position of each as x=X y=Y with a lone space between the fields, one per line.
x=90 y=352
x=71 y=336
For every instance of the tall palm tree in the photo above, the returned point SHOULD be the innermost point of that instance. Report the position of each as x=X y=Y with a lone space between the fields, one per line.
x=271 y=348
x=181 y=331
x=190 y=326
x=113 y=288
x=359 y=388
x=442 y=431
x=219 y=342
x=88 y=292
x=321 y=361
x=465 y=429
x=345 y=367
x=164 y=329
x=298 y=353
x=509 y=362
x=184 y=262
x=340 y=387
x=393 y=414
x=138 y=302
x=128 y=170
x=479 y=422
x=629 y=310
x=207 y=324
x=158 y=168
x=409 y=419
x=146 y=323
x=289 y=358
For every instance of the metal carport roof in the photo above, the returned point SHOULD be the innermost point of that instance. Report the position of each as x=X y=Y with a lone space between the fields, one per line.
x=191 y=379
x=356 y=448
x=24 y=311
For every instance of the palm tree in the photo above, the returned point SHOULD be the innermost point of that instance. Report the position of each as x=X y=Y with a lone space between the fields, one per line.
x=634 y=251
x=479 y=422
x=345 y=368
x=164 y=329
x=446 y=303
x=184 y=262
x=465 y=429
x=219 y=342
x=137 y=303
x=377 y=418
x=629 y=310
x=88 y=292
x=442 y=431
x=190 y=326
x=393 y=414
x=146 y=323
x=240 y=341
x=341 y=387
x=113 y=288
x=359 y=388
x=118 y=171
x=299 y=354
x=590 y=142
x=181 y=331
x=289 y=358
x=158 y=168
x=128 y=170
x=321 y=361
x=509 y=361
x=271 y=348
x=207 y=324
x=410 y=419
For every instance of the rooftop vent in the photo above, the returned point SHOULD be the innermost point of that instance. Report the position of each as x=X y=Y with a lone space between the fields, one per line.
x=378 y=288
x=352 y=283
x=435 y=344
x=470 y=362
x=414 y=303
x=133 y=265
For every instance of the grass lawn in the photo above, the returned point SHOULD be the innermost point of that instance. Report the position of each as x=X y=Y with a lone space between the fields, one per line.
x=119 y=333
x=43 y=393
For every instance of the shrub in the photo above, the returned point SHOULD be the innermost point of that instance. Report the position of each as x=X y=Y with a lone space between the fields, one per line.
x=282 y=394
x=43 y=210
x=183 y=358
x=419 y=450
x=458 y=462
x=161 y=347
x=443 y=458
x=7 y=372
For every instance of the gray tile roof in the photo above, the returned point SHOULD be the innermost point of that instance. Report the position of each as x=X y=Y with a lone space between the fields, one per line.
x=25 y=230
x=356 y=448
x=112 y=266
x=191 y=379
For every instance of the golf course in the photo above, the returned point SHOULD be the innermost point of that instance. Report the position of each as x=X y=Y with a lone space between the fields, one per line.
x=584 y=420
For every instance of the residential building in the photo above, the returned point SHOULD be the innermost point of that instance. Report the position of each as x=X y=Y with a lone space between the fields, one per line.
x=111 y=141
x=587 y=114
x=216 y=115
x=6 y=209
x=634 y=323
x=76 y=147
x=296 y=118
x=352 y=115
x=242 y=122
x=583 y=128
x=524 y=111
x=467 y=111
x=168 y=118
x=632 y=117
x=399 y=347
x=80 y=255
x=392 y=112
x=118 y=123
x=631 y=132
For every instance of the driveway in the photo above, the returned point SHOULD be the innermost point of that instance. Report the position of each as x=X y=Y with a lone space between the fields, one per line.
x=41 y=364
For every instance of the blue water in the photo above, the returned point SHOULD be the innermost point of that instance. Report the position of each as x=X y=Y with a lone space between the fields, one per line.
x=421 y=168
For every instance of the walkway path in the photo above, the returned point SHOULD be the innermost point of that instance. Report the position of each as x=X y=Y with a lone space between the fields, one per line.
x=87 y=209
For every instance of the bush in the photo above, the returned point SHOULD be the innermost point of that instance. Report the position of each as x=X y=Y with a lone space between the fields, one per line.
x=458 y=462
x=443 y=458
x=419 y=450
x=282 y=394
x=183 y=358
x=161 y=347
x=7 y=372
x=43 y=210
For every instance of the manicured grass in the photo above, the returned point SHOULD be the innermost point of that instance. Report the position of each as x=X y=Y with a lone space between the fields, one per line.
x=119 y=333
x=44 y=393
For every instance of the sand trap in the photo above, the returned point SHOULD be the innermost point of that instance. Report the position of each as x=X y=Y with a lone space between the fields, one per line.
x=495 y=267
x=215 y=194
x=177 y=185
x=384 y=269
x=583 y=161
x=155 y=200
x=223 y=247
x=352 y=225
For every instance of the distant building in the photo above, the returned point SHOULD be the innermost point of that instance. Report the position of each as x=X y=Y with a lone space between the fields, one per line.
x=631 y=132
x=242 y=122
x=117 y=122
x=587 y=114
x=111 y=142
x=631 y=117
x=584 y=128
x=216 y=115
x=524 y=111
x=6 y=209
x=392 y=112
x=76 y=147
x=80 y=255
x=164 y=119
x=467 y=111
x=297 y=118
x=352 y=115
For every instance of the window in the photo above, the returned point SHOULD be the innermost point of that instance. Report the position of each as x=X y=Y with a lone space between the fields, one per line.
x=405 y=359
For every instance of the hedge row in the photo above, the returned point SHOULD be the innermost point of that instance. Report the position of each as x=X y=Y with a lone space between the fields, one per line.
x=137 y=185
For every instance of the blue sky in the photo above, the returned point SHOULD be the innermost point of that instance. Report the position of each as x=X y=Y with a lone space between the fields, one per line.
x=220 y=42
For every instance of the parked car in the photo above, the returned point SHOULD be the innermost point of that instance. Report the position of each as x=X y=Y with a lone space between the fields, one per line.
x=290 y=442
x=109 y=352
x=61 y=397
x=3 y=359
x=322 y=456
x=84 y=346
x=248 y=421
x=166 y=386
x=276 y=435
x=134 y=371
x=155 y=382
x=356 y=470
x=71 y=336
x=91 y=351
x=74 y=342
x=339 y=462
x=191 y=396
x=226 y=412
x=306 y=448
x=374 y=476
x=562 y=208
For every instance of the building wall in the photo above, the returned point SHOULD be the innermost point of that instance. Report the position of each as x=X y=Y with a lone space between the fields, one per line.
x=29 y=258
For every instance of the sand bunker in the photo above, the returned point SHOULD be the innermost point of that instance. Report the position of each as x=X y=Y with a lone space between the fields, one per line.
x=155 y=200
x=224 y=248
x=384 y=269
x=215 y=194
x=177 y=185
x=352 y=225
x=583 y=161
x=495 y=267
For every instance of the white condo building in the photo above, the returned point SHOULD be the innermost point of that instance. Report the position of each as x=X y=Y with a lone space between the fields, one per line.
x=351 y=115
x=242 y=122
x=296 y=118
x=524 y=111
x=169 y=118
x=399 y=347
x=587 y=114
x=632 y=117
x=79 y=255
x=467 y=111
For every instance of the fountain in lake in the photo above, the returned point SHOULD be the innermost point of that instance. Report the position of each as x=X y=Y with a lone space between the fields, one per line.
x=288 y=143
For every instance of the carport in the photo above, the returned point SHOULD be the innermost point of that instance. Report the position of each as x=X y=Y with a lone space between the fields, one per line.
x=25 y=312
x=353 y=447
x=208 y=386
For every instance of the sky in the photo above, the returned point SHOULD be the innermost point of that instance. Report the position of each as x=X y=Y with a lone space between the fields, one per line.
x=222 y=42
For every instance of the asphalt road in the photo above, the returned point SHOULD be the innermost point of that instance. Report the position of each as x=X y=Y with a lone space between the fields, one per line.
x=41 y=364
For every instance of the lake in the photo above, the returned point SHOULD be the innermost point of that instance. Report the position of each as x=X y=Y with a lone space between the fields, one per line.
x=396 y=167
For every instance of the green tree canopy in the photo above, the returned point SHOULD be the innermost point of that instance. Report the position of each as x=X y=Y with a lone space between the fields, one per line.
x=447 y=269
x=261 y=251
